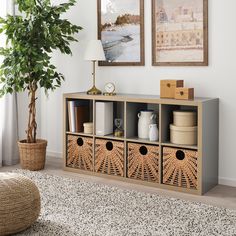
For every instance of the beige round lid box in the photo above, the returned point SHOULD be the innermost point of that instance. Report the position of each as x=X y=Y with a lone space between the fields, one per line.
x=185 y=118
x=183 y=135
x=19 y=203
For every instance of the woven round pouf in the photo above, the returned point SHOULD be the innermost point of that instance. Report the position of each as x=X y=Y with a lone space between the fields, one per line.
x=19 y=203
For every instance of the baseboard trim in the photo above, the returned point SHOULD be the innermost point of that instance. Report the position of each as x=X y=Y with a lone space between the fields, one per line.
x=54 y=154
x=227 y=181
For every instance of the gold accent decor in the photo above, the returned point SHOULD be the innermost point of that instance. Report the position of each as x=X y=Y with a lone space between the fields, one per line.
x=109 y=94
x=94 y=90
x=119 y=133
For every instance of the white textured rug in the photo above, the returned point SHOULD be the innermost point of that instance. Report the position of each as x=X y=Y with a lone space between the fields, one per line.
x=71 y=207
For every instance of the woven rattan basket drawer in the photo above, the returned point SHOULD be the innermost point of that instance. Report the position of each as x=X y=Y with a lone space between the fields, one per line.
x=109 y=157
x=180 y=167
x=143 y=162
x=79 y=152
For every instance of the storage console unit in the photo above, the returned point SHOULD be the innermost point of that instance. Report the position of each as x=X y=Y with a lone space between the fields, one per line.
x=192 y=169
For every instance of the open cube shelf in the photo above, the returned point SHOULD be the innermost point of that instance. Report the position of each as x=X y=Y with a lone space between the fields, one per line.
x=167 y=118
x=192 y=169
x=132 y=111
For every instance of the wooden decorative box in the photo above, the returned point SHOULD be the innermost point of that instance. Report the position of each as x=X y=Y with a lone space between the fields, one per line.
x=143 y=162
x=79 y=152
x=109 y=157
x=184 y=93
x=168 y=88
x=180 y=167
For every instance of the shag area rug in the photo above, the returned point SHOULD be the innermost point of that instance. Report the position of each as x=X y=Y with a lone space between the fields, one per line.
x=72 y=207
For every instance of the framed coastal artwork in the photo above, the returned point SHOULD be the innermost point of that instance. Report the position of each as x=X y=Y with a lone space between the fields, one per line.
x=180 y=32
x=121 y=30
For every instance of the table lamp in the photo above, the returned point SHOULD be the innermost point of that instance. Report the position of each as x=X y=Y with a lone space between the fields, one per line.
x=94 y=52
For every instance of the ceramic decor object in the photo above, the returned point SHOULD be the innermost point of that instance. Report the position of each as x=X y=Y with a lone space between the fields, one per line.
x=146 y=118
x=153 y=132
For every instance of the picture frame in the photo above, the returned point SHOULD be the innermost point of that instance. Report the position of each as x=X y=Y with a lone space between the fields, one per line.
x=122 y=32
x=179 y=33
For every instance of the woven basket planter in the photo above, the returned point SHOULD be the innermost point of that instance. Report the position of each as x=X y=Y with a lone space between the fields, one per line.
x=32 y=155
x=79 y=152
x=180 y=167
x=19 y=203
x=143 y=162
x=109 y=157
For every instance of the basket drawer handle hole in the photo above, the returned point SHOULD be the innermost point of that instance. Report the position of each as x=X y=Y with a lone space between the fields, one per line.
x=168 y=85
x=180 y=155
x=182 y=93
x=143 y=150
x=80 y=142
x=109 y=146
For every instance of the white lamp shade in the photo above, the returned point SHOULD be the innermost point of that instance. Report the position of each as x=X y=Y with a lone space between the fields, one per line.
x=94 y=51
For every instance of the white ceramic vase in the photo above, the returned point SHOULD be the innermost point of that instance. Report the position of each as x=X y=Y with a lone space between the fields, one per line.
x=153 y=132
x=145 y=119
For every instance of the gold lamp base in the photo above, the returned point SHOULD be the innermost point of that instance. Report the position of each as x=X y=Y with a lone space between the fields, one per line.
x=94 y=91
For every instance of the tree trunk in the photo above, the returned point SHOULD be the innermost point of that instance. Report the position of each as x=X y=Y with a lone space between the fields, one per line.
x=32 y=125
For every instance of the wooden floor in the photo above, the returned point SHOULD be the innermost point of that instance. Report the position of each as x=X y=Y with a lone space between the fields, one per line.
x=222 y=196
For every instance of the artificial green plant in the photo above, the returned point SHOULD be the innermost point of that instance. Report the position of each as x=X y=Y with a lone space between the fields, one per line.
x=31 y=37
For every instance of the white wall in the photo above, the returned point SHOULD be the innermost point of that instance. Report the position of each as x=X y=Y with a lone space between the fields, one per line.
x=216 y=80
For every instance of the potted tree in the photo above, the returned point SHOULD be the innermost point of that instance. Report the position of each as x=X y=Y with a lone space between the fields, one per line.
x=31 y=38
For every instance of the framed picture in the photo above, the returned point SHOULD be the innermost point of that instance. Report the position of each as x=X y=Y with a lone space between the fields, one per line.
x=180 y=32
x=121 y=30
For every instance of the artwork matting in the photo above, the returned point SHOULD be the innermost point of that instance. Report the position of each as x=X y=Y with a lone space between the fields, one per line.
x=165 y=54
x=120 y=43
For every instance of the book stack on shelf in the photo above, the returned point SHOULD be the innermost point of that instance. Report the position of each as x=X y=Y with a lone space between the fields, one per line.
x=78 y=114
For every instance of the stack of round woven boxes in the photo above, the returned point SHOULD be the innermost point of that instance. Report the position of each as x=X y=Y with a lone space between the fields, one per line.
x=184 y=129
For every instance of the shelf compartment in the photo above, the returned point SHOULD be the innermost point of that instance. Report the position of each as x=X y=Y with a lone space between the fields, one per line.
x=118 y=113
x=132 y=110
x=167 y=119
x=109 y=157
x=180 y=167
x=143 y=162
x=79 y=152
x=78 y=112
